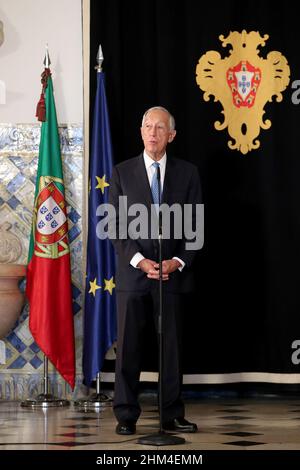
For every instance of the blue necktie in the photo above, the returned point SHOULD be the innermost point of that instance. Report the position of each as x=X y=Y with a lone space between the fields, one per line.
x=154 y=184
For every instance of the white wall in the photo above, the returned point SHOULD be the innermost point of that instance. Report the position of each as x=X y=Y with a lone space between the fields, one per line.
x=28 y=26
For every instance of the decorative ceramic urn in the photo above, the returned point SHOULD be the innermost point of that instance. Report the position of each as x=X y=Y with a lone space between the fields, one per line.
x=11 y=298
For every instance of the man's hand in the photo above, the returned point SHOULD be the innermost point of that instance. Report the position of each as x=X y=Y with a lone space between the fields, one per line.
x=169 y=266
x=151 y=268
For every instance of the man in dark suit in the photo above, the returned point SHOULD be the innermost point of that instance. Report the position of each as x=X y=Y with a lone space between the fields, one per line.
x=138 y=270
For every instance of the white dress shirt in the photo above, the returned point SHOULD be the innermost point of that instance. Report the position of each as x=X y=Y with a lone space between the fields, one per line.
x=150 y=173
x=151 y=169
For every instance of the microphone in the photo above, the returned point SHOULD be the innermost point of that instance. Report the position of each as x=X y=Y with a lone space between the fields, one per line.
x=159 y=201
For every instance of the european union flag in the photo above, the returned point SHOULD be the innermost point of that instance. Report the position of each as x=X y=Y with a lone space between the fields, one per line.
x=100 y=298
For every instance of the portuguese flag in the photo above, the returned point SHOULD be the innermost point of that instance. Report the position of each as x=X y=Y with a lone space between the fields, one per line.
x=48 y=286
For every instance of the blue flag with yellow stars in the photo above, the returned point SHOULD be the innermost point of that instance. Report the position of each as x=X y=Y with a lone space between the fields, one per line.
x=100 y=298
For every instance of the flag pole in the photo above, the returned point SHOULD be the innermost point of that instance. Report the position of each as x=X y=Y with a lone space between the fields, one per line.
x=98 y=399
x=45 y=399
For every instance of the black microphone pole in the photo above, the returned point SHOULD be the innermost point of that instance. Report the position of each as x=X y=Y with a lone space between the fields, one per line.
x=161 y=438
x=160 y=317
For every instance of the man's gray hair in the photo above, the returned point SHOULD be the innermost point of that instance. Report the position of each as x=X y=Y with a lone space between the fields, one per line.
x=171 y=118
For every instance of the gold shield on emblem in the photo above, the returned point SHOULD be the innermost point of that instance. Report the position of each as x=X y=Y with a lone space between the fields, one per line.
x=243 y=82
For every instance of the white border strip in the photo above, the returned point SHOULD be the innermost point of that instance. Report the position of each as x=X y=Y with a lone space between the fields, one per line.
x=86 y=123
x=267 y=377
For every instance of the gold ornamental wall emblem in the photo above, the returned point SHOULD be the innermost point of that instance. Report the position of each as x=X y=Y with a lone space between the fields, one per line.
x=243 y=82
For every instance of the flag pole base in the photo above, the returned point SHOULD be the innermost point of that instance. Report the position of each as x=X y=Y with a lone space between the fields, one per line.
x=97 y=400
x=44 y=400
x=161 y=439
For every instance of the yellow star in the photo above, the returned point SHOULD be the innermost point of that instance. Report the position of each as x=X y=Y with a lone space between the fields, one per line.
x=94 y=287
x=90 y=186
x=101 y=183
x=109 y=285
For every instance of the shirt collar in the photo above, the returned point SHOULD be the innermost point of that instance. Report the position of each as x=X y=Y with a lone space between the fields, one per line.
x=149 y=161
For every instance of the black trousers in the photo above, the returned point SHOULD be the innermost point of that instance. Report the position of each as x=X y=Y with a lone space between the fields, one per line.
x=134 y=312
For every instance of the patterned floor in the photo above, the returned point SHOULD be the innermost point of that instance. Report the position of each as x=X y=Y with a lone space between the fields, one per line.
x=249 y=424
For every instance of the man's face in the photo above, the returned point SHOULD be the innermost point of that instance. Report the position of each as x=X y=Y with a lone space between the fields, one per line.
x=156 y=133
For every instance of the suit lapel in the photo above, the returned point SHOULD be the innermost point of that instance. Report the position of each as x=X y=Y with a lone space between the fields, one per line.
x=142 y=182
x=170 y=177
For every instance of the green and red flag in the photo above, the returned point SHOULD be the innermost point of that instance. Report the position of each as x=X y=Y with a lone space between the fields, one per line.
x=48 y=286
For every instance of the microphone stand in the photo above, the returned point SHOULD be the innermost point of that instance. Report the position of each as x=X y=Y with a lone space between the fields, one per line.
x=161 y=438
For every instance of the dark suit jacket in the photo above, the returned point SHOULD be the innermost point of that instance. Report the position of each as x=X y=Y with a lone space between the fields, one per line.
x=181 y=185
